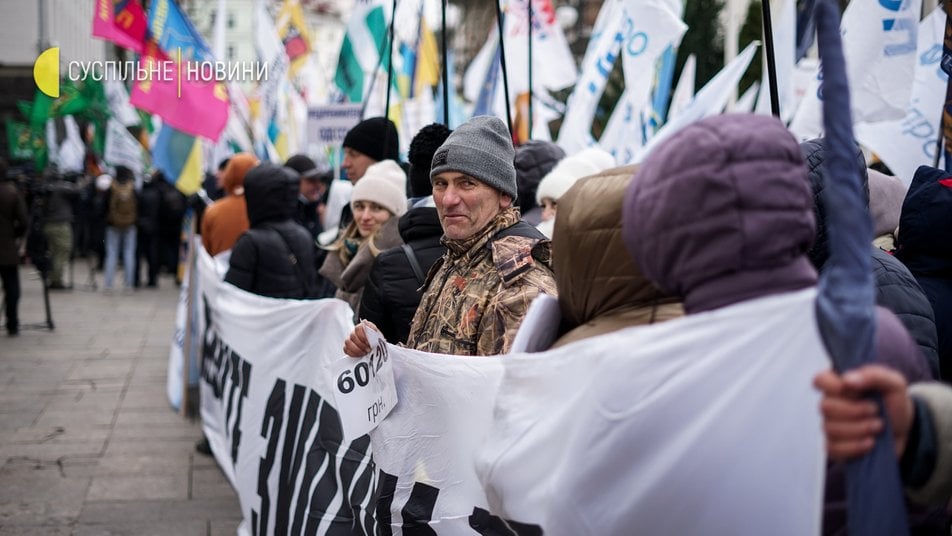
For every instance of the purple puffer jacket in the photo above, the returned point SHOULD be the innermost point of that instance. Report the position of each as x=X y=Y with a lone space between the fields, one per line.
x=722 y=212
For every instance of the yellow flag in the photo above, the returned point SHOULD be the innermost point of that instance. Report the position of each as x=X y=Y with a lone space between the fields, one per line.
x=292 y=29
x=428 y=60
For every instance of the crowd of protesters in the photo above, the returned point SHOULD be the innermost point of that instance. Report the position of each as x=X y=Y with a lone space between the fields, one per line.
x=104 y=220
x=437 y=255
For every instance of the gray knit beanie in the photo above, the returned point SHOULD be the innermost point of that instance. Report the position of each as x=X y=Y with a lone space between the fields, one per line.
x=482 y=149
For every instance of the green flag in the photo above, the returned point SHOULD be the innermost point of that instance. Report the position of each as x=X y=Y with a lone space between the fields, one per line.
x=19 y=140
x=364 y=43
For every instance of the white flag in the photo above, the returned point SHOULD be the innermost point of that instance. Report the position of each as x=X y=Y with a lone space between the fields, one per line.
x=910 y=142
x=651 y=27
x=745 y=104
x=879 y=42
x=710 y=100
x=702 y=425
x=684 y=91
x=271 y=52
x=623 y=136
x=603 y=49
x=119 y=105
x=122 y=148
x=553 y=66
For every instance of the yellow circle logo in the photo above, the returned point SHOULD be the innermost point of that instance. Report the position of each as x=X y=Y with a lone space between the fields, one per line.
x=46 y=72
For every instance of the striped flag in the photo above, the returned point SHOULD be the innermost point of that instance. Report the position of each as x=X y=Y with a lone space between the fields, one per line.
x=363 y=45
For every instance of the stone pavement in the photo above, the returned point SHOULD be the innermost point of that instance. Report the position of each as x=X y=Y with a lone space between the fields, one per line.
x=88 y=442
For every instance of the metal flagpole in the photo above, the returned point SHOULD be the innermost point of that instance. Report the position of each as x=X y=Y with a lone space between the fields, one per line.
x=529 y=3
x=393 y=17
x=446 y=74
x=771 y=60
x=502 y=63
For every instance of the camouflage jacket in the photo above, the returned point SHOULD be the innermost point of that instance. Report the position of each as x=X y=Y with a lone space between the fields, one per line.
x=478 y=293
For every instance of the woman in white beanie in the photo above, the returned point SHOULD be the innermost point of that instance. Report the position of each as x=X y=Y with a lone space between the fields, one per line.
x=376 y=199
x=565 y=174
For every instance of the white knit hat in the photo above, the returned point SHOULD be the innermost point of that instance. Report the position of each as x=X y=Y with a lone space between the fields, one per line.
x=384 y=183
x=570 y=169
x=103 y=182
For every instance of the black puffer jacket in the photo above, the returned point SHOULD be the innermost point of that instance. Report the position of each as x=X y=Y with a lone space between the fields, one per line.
x=925 y=247
x=898 y=291
x=393 y=292
x=534 y=160
x=275 y=257
x=814 y=154
x=895 y=290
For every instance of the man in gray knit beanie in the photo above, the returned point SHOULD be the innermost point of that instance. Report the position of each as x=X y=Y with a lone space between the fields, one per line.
x=482 y=149
x=473 y=176
x=495 y=264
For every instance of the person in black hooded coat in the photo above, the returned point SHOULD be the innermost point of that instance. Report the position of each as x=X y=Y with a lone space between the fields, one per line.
x=394 y=288
x=924 y=245
x=896 y=288
x=275 y=257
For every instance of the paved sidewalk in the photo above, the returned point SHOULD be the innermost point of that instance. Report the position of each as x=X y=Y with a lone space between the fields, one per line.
x=88 y=442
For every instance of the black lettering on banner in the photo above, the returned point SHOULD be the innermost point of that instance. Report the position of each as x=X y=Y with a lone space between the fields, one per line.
x=270 y=430
x=291 y=459
x=328 y=428
x=418 y=511
x=363 y=489
x=325 y=462
x=244 y=380
x=383 y=499
x=310 y=468
x=349 y=465
x=489 y=525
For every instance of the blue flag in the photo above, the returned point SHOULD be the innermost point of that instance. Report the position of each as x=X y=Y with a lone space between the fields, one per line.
x=846 y=300
x=171 y=29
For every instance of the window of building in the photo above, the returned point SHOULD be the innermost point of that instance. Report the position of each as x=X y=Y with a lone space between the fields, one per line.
x=231 y=19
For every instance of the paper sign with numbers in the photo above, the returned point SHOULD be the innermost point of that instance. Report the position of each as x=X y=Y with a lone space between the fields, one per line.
x=364 y=388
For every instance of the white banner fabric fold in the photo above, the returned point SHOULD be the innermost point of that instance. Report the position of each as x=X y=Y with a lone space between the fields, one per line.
x=267 y=412
x=712 y=414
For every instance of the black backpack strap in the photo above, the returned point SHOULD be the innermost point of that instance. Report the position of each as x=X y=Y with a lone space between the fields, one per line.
x=308 y=291
x=520 y=228
x=414 y=264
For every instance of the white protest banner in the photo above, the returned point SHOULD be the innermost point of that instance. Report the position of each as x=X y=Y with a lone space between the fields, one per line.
x=879 y=42
x=713 y=415
x=268 y=415
x=906 y=144
x=329 y=124
x=365 y=391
